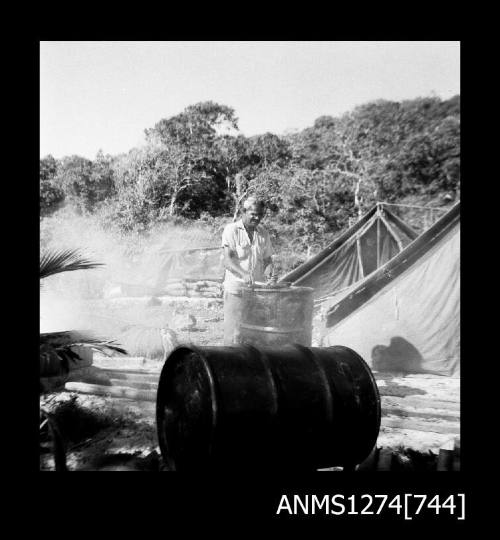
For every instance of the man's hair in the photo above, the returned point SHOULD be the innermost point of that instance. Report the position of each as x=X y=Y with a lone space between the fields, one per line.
x=251 y=201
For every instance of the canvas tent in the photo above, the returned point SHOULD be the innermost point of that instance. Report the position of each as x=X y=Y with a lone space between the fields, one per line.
x=374 y=240
x=405 y=316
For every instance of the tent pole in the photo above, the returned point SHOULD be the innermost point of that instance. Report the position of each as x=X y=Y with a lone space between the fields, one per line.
x=358 y=249
x=378 y=237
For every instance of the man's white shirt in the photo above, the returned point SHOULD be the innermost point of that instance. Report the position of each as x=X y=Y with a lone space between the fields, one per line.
x=250 y=254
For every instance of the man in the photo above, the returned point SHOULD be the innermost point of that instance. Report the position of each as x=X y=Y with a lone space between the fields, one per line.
x=247 y=254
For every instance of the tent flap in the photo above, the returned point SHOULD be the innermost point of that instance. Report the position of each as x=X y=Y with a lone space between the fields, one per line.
x=356 y=253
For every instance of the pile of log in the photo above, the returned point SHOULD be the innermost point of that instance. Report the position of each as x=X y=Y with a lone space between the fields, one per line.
x=407 y=459
x=192 y=288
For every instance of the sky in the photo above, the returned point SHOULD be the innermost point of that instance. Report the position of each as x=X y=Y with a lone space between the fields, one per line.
x=103 y=95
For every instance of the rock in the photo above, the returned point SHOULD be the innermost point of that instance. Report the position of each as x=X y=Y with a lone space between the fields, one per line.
x=169 y=340
x=184 y=323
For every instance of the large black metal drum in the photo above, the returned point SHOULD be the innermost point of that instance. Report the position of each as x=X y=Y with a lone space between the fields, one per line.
x=247 y=408
x=276 y=316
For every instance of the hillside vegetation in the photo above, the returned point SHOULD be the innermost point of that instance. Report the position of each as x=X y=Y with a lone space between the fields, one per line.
x=195 y=169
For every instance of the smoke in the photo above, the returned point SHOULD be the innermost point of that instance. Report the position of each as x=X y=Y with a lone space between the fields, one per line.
x=83 y=299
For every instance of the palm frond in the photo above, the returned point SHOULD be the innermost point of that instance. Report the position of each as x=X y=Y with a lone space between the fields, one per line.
x=102 y=346
x=58 y=351
x=62 y=341
x=66 y=260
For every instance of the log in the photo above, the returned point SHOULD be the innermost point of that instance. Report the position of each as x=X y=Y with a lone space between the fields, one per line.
x=113 y=391
x=406 y=392
x=211 y=290
x=175 y=288
x=191 y=282
x=420 y=402
x=134 y=383
x=132 y=375
x=406 y=413
x=208 y=283
x=432 y=427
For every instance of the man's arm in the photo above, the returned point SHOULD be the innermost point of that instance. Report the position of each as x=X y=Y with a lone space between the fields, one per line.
x=230 y=257
x=231 y=263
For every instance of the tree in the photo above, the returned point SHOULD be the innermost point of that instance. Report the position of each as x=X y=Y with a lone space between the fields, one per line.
x=135 y=203
x=246 y=158
x=316 y=147
x=198 y=124
x=295 y=197
x=188 y=158
x=86 y=183
x=428 y=162
x=102 y=177
x=385 y=149
x=176 y=168
x=74 y=179
x=197 y=163
x=50 y=195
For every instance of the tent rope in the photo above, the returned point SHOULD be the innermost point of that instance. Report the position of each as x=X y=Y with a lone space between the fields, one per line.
x=414 y=206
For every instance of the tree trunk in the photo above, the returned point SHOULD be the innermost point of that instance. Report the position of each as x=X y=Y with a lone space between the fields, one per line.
x=240 y=193
x=173 y=200
x=357 y=200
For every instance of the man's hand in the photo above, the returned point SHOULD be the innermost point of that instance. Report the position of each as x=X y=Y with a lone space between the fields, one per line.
x=247 y=278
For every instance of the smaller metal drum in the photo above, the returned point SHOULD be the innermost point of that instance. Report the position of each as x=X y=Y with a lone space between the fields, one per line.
x=274 y=316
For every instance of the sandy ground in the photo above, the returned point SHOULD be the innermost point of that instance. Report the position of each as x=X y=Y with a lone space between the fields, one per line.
x=420 y=412
x=129 y=432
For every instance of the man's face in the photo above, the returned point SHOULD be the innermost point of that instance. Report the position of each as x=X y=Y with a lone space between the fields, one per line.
x=253 y=215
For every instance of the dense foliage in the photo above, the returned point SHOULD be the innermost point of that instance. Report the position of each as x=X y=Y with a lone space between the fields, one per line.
x=197 y=166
